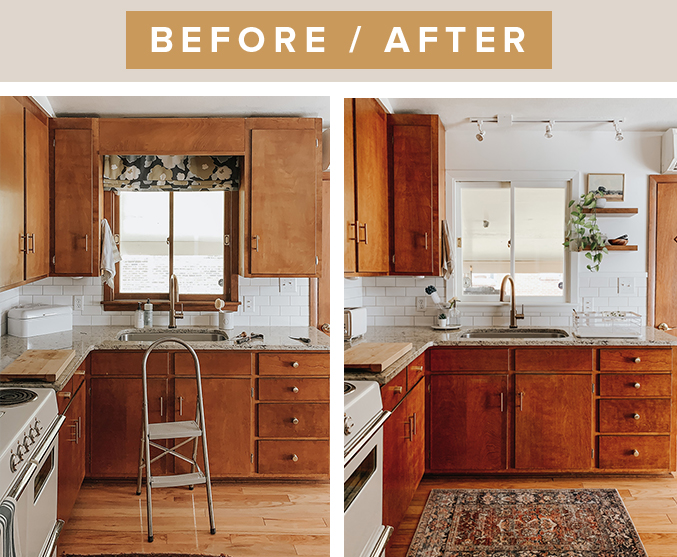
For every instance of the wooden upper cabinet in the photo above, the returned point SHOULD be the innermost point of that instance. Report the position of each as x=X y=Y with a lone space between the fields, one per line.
x=282 y=203
x=77 y=197
x=349 y=220
x=172 y=136
x=369 y=227
x=417 y=193
x=37 y=197
x=12 y=239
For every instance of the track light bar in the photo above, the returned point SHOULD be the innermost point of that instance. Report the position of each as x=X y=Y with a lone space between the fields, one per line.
x=494 y=120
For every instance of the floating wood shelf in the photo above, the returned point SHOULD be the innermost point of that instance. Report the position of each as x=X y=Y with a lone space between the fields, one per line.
x=611 y=212
x=617 y=248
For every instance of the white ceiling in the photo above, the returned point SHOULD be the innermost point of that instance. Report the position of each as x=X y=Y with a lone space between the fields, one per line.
x=639 y=114
x=306 y=107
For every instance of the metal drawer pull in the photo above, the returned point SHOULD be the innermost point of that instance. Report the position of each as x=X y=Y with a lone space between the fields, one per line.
x=295 y=458
x=635 y=416
x=398 y=390
x=294 y=364
x=638 y=360
x=64 y=394
x=416 y=368
x=294 y=389
x=295 y=421
x=257 y=242
x=521 y=400
x=86 y=242
x=637 y=385
x=162 y=407
x=22 y=243
x=180 y=406
x=414 y=423
x=501 y=402
x=426 y=240
x=31 y=243
x=635 y=452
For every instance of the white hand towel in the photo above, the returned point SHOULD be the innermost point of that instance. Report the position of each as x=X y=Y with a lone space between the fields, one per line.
x=447 y=252
x=110 y=254
x=9 y=536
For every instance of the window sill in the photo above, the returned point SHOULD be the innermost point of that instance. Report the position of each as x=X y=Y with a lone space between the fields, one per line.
x=132 y=305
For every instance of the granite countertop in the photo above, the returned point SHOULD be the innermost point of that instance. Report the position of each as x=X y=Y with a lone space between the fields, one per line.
x=85 y=339
x=423 y=338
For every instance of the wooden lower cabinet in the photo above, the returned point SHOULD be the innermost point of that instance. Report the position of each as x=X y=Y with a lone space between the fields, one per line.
x=468 y=422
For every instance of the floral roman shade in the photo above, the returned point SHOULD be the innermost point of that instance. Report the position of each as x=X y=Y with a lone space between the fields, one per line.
x=170 y=173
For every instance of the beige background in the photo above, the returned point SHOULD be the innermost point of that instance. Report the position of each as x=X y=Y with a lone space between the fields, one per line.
x=84 y=40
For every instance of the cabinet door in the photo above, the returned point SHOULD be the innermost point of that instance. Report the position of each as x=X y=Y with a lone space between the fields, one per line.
x=72 y=453
x=396 y=499
x=350 y=226
x=12 y=241
x=468 y=422
x=553 y=422
x=371 y=176
x=285 y=182
x=416 y=451
x=37 y=197
x=227 y=404
x=116 y=423
x=73 y=202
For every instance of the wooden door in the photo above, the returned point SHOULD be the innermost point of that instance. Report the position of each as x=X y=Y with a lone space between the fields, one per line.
x=116 y=422
x=73 y=202
x=283 y=204
x=37 y=197
x=467 y=422
x=12 y=241
x=662 y=295
x=371 y=177
x=72 y=452
x=349 y=224
x=227 y=406
x=553 y=422
x=411 y=199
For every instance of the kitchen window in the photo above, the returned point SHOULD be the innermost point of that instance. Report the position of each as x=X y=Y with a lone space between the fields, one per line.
x=512 y=228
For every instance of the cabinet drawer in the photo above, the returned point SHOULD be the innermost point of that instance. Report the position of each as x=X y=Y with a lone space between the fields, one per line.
x=469 y=359
x=221 y=362
x=634 y=452
x=634 y=416
x=294 y=388
x=553 y=359
x=635 y=385
x=128 y=363
x=293 y=420
x=65 y=395
x=394 y=391
x=635 y=359
x=293 y=457
x=293 y=363
x=415 y=370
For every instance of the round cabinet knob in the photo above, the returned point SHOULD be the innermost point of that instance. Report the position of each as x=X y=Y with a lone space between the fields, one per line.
x=348 y=424
x=637 y=385
x=295 y=421
x=295 y=458
x=635 y=453
x=635 y=416
x=294 y=364
x=638 y=360
x=294 y=389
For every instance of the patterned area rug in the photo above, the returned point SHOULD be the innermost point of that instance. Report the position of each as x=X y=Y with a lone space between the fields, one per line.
x=525 y=523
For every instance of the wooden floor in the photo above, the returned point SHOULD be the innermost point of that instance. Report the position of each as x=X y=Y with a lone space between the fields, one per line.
x=252 y=519
x=651 y=502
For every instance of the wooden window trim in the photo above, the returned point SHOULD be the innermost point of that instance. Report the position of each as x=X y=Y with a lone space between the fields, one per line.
x=114 y=301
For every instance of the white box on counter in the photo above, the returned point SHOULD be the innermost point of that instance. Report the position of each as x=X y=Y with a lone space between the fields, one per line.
x=31 y=320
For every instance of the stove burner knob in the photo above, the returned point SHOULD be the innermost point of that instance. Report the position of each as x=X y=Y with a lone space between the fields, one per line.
x=37 y=426
x=32 y=434
x=21 y=451
x=348 y=424
x=14 y=462
x=27 y=441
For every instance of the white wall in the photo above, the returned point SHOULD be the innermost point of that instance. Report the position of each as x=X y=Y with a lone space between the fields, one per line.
x=8 y=299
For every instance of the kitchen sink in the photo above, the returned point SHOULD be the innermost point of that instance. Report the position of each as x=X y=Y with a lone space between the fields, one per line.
x=515 y=333
x=188 y=336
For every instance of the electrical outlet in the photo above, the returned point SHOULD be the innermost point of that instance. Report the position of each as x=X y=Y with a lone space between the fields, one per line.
x=588 y=304
x=626 y=285
x=247 y=304
x=421 y=303
x=288 y=285
x=77 y=303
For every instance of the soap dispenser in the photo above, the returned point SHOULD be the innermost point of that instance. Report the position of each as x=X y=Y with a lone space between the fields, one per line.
x=139 y=316
x=148 y=314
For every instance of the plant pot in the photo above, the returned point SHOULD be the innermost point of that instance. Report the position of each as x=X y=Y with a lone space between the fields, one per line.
x=600 y=203
x=441 y=322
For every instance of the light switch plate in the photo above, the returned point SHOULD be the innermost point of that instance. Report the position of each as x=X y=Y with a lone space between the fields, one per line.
x=626 y=285
x=421 y=303
x=247 y=304
x=288 y=285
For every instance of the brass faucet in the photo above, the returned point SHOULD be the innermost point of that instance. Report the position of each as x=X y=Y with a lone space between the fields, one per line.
x=514 y=316
x=174 y=314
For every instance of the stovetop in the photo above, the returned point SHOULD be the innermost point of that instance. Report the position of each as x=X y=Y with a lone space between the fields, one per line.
x=361 y=403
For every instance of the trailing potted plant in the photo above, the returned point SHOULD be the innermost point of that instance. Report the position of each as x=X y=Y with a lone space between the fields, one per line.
x=583 y=233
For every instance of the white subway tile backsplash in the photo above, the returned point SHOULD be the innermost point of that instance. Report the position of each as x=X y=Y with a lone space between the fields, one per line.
x=73 y=290
x=52 y=290
x=31 y=290
x=393 y=291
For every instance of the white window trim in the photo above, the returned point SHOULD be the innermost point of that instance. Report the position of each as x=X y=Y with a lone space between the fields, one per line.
x=571 y=264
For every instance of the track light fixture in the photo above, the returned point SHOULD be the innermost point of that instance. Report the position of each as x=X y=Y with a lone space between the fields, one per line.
x=548 y=129
x=481 y=132
x=619 y=133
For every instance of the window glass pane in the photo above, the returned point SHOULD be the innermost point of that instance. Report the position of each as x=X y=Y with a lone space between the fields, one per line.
x=144 y=229
x=198 y=241
x=485 y=218
x=539 y=234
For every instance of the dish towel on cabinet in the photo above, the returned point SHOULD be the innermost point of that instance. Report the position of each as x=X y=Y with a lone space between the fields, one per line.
x=447 y=253
x=110 y=254
x=9 y=540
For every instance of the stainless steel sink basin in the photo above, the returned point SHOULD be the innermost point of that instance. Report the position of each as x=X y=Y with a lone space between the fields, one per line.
x=515 y=333
x=188 y=336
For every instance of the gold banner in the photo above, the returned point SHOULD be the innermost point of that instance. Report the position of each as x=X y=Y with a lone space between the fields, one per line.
x=339 y=40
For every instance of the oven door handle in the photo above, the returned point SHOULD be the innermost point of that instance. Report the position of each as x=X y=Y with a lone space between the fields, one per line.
x=50 y=546
x=355 y=445
x=382 y=541
x=18 y=486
